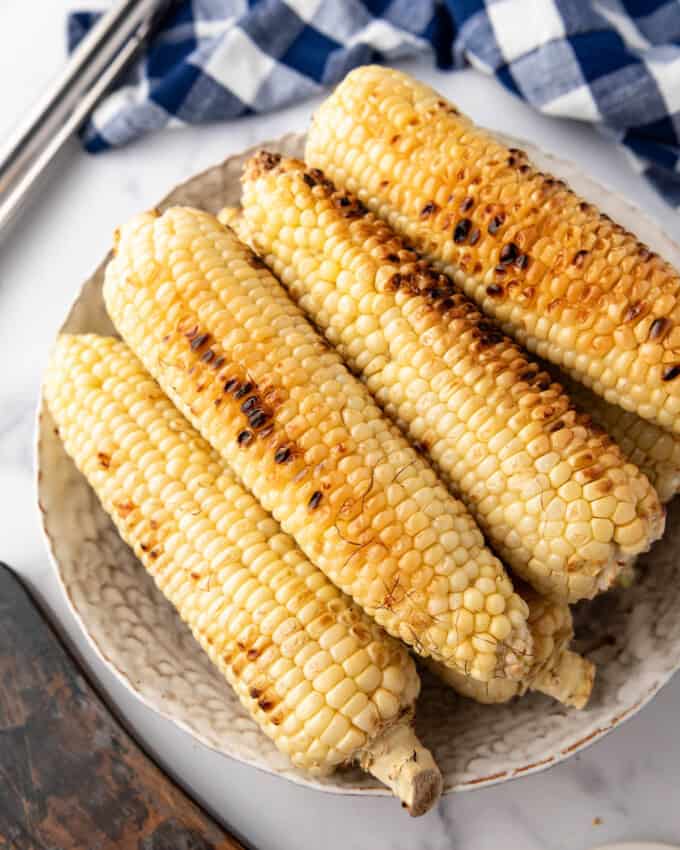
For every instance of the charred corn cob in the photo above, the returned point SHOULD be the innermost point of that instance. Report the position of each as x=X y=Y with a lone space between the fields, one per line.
x=563 y=279
x=230 y=348
x=654 y=450
x=557 y=671
x=555 y=498
x=324 y=682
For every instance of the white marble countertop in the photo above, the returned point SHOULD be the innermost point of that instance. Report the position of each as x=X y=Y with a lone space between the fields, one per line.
x=623 y=788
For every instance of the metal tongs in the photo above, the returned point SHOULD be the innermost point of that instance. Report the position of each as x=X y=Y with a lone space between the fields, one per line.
x=93 y=67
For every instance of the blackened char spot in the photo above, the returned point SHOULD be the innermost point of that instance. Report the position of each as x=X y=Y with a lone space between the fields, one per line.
x=429 y=209
x=257 y=418
x=199 y=341
x=349 y=206
x=496 y=223
x=659 y=328
x=462 y=230
x=671 y=372
x=267 y=160
x=243 y=390
x=282 y=455
x=509 y=254
x=315 y=500
x=633 y=311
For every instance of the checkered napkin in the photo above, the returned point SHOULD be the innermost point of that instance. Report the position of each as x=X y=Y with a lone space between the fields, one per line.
x=614 y=63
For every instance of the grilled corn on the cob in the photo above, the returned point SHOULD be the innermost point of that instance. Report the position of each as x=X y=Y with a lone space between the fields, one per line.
x=557 y=671
x=556 y=499
x=654 y=450
x=562 y=278
x=230 y=348
x=322 y=681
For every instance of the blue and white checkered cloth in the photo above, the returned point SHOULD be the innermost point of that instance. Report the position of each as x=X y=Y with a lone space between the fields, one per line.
x=613 y=63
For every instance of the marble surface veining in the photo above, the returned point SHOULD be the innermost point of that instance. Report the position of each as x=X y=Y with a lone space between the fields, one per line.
x=623 y=788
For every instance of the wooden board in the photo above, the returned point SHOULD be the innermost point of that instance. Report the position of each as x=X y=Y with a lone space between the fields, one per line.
x=71 y=778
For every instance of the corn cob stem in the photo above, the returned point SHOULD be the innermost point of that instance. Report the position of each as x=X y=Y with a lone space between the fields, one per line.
x=323 y=681
x=563 y=279
x=569 y=681
x=239 y=359
x=399 y=760
x=555 y=497
x=557 y=671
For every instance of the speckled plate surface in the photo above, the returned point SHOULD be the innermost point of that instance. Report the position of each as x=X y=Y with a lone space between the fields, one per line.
x=633 y=635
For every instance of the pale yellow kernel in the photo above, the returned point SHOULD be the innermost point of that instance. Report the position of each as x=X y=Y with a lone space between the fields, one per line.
x=368 y=718
x=458 y=581
x=473 y=599
x=352 y=741
x=318 y=722
x=631 y=534
x=555 y=511
x=416 y=522
x=393 y=679
x=369 y=679
x=354 y=705
x=624 y=513
x=343 y=649
x=464 y=653
x=341 y=693
x=604 y=507
x=335 y=731
x=578 y=511
x=482 y=622
x=570 y=491
x=578 y=533
x=500 y=627
x=485 y=662
x=603 y=530
x=329 y=678
x=309 y=705
x=495 y=604
x=464 y=622
x=386 y=703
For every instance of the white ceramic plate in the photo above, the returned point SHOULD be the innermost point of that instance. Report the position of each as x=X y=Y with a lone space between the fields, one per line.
x=633 y=635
